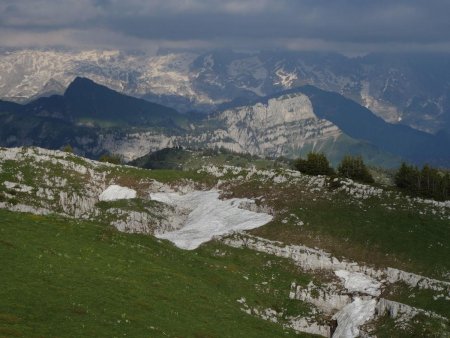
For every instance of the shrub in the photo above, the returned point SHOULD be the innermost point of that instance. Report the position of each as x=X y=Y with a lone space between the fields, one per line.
x=111 y=158
x=354 y=168
x=68 y=149
x=315 y=164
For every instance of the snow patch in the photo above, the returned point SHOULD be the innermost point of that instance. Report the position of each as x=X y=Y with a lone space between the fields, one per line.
x=209 y=216
x=352 y=316
x=286 y=79
x=116 y=192
x=359 y=282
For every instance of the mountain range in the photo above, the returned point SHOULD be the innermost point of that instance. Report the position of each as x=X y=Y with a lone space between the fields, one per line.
x=410 y=89
x=95 y=119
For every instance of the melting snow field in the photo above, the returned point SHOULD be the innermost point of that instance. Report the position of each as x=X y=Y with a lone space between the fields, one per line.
x=209 y=216
x=116 y=192
x=352 y=316
x=359 y=282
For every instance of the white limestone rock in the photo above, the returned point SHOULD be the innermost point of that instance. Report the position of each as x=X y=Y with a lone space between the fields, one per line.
x=314 y=259
x=326 y=298
x=17 y=186
x=307 y=325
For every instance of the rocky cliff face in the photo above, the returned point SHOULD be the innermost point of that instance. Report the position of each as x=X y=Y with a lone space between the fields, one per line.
x=133 y=145
x=283 y=126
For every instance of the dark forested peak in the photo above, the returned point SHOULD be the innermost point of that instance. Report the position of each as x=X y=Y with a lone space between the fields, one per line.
x=82 y=85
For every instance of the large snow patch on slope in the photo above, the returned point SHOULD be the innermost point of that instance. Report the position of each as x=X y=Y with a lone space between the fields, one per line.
x=116 y=192
x=209 y=216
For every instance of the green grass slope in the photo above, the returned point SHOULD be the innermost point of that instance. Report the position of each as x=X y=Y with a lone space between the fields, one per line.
x=388 y=230
x=66 y=278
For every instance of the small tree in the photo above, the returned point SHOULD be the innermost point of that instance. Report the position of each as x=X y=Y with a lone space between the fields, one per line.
x=111 y=158
x=354 y=168
x=315 y=164
x=68 y=149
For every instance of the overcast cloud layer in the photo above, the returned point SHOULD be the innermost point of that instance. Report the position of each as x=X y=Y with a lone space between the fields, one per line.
x=349 y=26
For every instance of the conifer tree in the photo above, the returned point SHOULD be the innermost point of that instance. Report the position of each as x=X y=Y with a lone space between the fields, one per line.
x=354 y=168
x=315 y=164
x=428 y=182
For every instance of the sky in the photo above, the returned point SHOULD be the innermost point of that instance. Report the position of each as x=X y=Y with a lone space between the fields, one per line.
x=346 y=26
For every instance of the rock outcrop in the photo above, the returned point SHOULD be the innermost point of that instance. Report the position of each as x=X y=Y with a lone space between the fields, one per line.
x=314 y=259
x=356 y=302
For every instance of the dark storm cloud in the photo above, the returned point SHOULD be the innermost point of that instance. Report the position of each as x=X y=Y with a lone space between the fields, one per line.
x=350 y=21
x=277 y=23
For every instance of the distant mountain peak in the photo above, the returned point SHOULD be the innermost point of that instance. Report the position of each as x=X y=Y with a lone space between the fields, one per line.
x=82 y=83
x=81 y=80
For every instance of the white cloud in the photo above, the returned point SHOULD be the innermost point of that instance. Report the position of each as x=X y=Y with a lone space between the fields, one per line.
x=93 y=39
x=47 y=13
